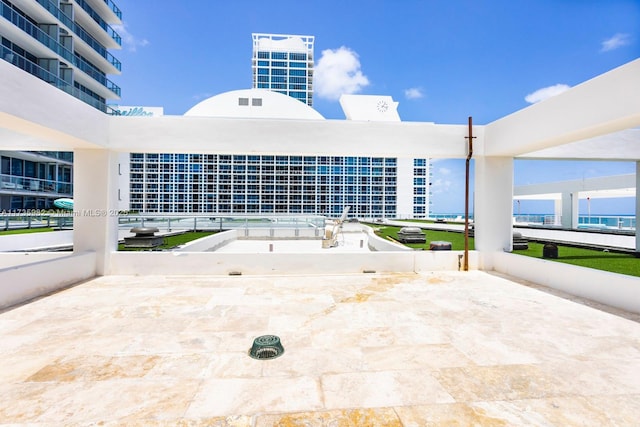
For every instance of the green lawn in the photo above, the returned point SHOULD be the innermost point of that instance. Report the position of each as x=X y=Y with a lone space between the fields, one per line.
x=601 y=260
x=171 y=242
x=456 y=239
x=615 y=262
x=26 y=230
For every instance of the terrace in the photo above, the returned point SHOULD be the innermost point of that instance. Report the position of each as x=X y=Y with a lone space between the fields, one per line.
x=407 y=349
x=381 y=338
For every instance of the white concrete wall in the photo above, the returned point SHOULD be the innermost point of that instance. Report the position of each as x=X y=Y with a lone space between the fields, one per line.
x=637 y=206
x=14 y=259
x=95 y=186
x=124 y=181
x=597 y=107
x=613 y=289
x=379 y=244
x=209 y=242
x=20 y=283
x=204 y=263
x=493 y=204
x=34 y=241
x=444 y=261
x=44 y=117
x=177 y=134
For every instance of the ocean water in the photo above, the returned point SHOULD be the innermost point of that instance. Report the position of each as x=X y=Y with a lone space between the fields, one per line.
x=622 y=221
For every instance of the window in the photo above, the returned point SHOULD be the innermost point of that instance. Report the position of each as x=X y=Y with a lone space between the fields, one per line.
x=256 y=102
x=16 y=167
x=6 y=165
x=243 y=101
x=278 y=55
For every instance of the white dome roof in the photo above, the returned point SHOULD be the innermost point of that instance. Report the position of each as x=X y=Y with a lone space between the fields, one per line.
x=254 y=103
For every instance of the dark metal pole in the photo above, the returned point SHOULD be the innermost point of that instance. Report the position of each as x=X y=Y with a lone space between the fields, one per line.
x=466 y=197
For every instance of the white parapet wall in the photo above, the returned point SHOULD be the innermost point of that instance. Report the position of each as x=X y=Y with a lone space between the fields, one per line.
x=615 y=290
x=209 y=243
x=212 y=263
x=22 y=282
x=36 y=241
x=14 y=259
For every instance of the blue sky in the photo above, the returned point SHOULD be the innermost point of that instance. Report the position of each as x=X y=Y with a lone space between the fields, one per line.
x=441 y=60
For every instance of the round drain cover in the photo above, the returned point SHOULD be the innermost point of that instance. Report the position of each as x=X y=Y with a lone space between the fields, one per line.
x=266 y=347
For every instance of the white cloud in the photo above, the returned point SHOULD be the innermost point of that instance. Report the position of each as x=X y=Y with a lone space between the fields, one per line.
x=440 y=186
x=129 y=40
x=337 y=73
x=612 y=43
x=444 y=171
x=545 y=92
x=413 y=93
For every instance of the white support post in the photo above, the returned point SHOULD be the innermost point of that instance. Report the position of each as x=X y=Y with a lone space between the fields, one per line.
x=493 y=205
x=95 y=188
x=637 y=207
x=570 y=209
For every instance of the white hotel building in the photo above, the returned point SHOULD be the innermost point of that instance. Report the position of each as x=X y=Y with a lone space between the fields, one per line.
x=252 y=183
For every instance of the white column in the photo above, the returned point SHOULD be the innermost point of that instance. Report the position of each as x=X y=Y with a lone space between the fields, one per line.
x=493 y=211
x=95 y=188
x=637 y=207
x=570 y=209
x=557 y=211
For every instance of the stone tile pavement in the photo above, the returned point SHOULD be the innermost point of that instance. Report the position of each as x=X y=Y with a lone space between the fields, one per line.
x=445 y=348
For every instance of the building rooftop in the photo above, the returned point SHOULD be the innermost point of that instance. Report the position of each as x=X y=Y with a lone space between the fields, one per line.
x=444 y=348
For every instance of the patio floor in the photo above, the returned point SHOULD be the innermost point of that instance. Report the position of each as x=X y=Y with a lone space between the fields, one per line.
x=446 y=348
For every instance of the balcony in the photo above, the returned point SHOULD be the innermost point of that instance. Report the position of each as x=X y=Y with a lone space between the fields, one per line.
x=35 y=70
x=97 y=19
x=81 y=33
x=42 y=37
x=27 y=186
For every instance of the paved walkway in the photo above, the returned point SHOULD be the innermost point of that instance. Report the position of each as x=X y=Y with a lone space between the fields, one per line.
x=447 y=348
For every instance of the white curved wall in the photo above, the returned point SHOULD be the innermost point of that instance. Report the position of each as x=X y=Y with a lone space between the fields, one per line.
x=271 y=105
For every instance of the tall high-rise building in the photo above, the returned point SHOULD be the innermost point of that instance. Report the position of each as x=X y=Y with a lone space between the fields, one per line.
x=66 y=44
x=284 y=63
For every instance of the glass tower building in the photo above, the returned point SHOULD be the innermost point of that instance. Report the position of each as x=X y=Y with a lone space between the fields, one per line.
x=66 y=44
x=284 y=63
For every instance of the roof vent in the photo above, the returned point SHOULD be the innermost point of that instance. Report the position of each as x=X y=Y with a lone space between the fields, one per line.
x=266 y=347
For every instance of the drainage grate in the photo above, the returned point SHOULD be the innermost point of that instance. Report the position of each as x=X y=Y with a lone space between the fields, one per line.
x=266 y=347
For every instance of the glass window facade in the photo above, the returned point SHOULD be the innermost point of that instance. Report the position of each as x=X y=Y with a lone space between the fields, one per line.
x=290 y=66
x=265 y=184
